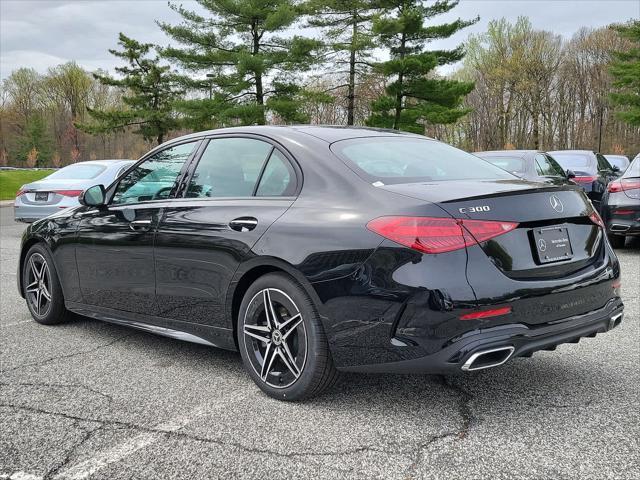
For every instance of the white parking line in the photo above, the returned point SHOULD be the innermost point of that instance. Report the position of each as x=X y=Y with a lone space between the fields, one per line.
x=3 y=325
x=88 y=467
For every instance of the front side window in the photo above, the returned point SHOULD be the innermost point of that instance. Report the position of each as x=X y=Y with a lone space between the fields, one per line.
x=229 y=167
x=154 y=178
x=603 y=163
x=546 y=167
x=404 y=160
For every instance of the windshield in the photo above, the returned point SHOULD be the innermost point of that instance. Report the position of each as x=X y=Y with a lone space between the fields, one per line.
x=78 y=172
x=405 y=160
x=573 y=161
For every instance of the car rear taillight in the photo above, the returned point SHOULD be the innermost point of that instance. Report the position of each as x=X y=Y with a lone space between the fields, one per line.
x=624 y=185
x=20 y=192
x=438 y=235
x=494 y=312
x=596 y=218
x=585 y=179
x=68 y=193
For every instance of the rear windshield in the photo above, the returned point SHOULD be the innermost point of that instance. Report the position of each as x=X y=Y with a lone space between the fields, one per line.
x=618 y=160
x=78 y=172
x=510 y=164
x=634 y=169
x=573 y=161
x=404 y=160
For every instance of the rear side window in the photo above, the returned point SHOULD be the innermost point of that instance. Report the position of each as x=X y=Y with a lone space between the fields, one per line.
x=229 y=167
x=78 y=172
x=404 y=160
x=547 y=167
x=278 y=178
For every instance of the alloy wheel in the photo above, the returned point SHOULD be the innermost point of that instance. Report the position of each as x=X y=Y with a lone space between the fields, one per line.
x=38 y=289
x=275 y=338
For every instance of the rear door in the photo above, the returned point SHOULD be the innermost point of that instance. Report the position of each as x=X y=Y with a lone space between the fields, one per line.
x=237 y=188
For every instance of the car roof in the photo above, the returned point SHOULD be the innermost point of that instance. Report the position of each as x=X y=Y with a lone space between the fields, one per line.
x=101 y=162
x=589 y=152
x=327 y=133
x=505 y=153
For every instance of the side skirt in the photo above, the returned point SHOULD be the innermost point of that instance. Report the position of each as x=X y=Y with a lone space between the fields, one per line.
x=195 y=333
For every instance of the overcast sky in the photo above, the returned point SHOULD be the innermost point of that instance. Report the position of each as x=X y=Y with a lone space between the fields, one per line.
x=44 y=33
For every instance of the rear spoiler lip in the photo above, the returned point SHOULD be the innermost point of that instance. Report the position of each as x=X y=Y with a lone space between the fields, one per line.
x=510 y=193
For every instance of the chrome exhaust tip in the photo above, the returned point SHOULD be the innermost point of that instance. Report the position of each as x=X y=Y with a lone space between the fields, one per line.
x=615 y=320
x=615 y=227
x=488 y=358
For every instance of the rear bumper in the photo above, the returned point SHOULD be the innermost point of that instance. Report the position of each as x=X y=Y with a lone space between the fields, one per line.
x=524 y=340
x=31 y=213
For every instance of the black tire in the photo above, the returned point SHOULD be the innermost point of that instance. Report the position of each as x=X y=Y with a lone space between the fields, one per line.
x=294 y=345
x=617 y=241
x=50 y=310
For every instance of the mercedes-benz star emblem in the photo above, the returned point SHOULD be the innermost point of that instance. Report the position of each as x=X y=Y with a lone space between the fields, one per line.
x=556 y=204
x=542 y=245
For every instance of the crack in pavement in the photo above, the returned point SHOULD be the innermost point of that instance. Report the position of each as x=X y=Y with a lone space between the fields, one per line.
x=175 y=434
x=464 y=405
x=58 y=385
x=65 y=356
x=88 y=434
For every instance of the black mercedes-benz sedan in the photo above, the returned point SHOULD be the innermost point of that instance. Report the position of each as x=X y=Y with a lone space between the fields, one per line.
x=621 y=206
x=313 y=250
x=590 y=170
x=533 y=165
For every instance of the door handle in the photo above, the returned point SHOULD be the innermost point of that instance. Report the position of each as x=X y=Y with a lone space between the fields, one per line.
x=243 y=224
x=140 y=225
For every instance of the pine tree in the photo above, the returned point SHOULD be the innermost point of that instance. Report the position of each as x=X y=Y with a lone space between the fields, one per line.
x=626 y=73
x=150 y=91
x=347 y=28
x=237 y=51
x=415 y=95
x=34 y=144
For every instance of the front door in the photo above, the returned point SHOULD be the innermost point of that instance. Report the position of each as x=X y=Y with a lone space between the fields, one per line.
x=239 y=187
x=114 y=250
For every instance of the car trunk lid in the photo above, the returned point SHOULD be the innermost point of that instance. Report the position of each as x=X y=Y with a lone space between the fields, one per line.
x=555 y=235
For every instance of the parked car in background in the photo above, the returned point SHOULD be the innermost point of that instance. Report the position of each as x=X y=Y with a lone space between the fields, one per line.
x=315 y=249
x=621 y=205
x=592 y=171
x=620 y=161
x=62 y=188
x=531 y=165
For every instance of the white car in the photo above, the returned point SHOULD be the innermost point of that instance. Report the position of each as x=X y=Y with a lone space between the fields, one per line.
x=62 y=188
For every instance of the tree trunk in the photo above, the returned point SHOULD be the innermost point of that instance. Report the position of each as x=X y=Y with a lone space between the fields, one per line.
x=351 y=95
x=399 y=95
x=259 y=86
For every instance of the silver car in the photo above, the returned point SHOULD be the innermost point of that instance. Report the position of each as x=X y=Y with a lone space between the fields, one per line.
x=62 y=188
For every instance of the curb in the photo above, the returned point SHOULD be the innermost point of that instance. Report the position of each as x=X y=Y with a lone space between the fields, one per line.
x=6 y=203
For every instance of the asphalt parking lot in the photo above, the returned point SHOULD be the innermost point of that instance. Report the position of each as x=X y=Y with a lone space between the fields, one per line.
x=93 y=400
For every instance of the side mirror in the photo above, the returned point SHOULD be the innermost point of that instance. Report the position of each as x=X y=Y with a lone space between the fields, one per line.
x=570 y=174
x=615 y=168
x=94 y=196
